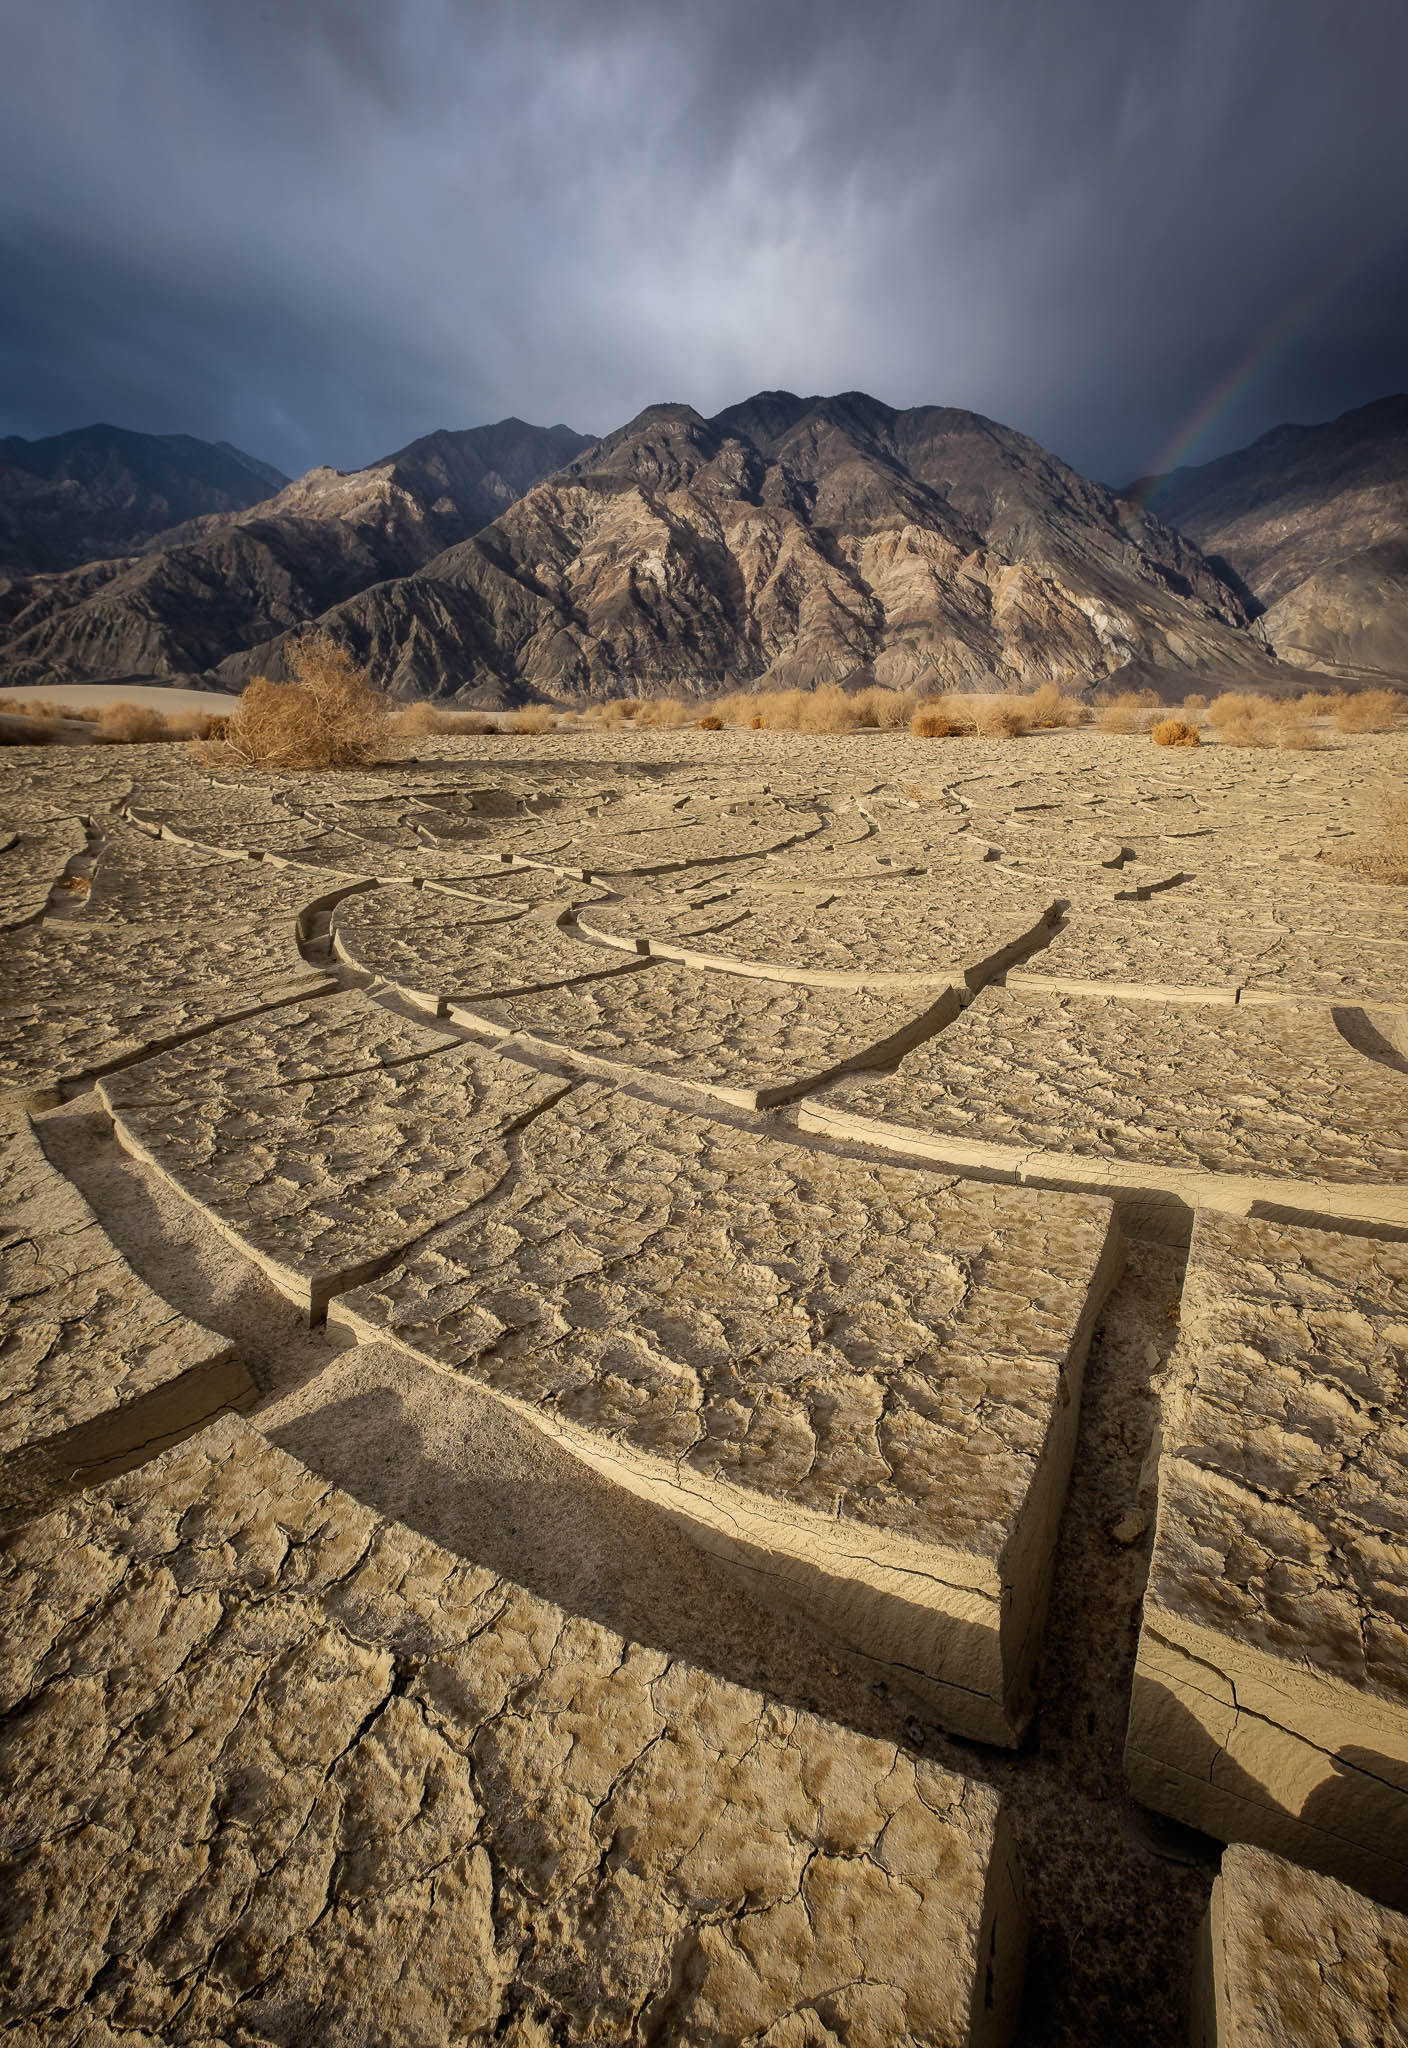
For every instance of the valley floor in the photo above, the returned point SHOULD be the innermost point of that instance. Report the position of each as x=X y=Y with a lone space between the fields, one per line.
x=645 y=1375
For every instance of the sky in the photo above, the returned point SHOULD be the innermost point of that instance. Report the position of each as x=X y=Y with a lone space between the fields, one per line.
x=1139 y=232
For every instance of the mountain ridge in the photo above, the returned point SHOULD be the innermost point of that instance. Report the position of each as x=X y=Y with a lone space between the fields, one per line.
x=197 y=592
x=1313 y=520
x=103 y=490
x=800 y=539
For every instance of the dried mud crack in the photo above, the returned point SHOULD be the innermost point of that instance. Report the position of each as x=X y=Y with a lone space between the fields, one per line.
x=697 y=1584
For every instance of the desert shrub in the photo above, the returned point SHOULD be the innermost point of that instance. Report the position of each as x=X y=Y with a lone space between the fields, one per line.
x=881 y=710
x=418 y=720
x=188 y=725
x=1292 y=728
x=1241 y=719
x=780 y=710
x=1175 y=732
x=669 y=713
x=1194 y=701
x=423 y=720
x=1049 y=707
x=755 y=723
x=1128 y=712
x=132 y=724
x=711 y=722
x=1319 y=703
x=1371 y=710
x=329 y=716
x=46 y=708
x=827 y=708
x=1381 y=854
x=18 y=731
x=533 y=718
x=610 y=716
x=735 y=707
x=1247 y=731
x=1391 y=840
x=1000 y=718
x=1234 y=707
x=942 y=718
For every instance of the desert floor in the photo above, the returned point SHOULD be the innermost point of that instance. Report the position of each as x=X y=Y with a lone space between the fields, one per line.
x=288 y=1038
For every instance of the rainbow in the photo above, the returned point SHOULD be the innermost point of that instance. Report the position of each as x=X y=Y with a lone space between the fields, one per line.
x=1237 y=380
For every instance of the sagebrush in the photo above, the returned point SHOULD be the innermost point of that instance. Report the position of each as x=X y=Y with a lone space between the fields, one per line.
x=330 y=716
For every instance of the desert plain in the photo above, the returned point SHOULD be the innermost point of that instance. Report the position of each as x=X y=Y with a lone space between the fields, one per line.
x=714 y=1386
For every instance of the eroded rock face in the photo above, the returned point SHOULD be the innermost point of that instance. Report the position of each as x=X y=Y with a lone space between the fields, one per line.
x=1271 y=1694
x=1294 y=1960
x=69 y=498
x=805 y=539
x=95 y=1369
x=856 y=1384
x=260 y=563
x=1312 y=520
x=283 y=1771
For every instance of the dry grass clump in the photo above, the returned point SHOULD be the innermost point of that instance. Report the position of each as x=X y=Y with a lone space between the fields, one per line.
x=47 y=709
x=711 y=722
x=1320 y=703
x=330 y=716
x=1175 y=732
x=880 y=710
x=195 y=725
x=1130 y=711
x=418 y=721
x=827 y=708
x=670 y=714
x=1048 y=708
x=1193 y=702
x=779 y=710
x=1243 y=720
x=1001 y=718
x=134 y=725
x=1371 y=710
x=423 y=720
x=943 y=718
x=533 y=718
x=1382 y=854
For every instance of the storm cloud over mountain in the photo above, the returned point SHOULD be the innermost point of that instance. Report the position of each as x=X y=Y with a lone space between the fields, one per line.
x=320 y=228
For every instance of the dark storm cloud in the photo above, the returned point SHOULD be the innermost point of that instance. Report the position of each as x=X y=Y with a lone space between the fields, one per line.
x=320 y=227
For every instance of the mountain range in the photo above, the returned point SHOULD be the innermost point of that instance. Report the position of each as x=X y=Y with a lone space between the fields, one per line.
x=1313 y=521
x=797 y=539
x=98 y=491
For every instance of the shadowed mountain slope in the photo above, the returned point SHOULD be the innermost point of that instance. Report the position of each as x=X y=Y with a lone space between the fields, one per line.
x=203 y=590
x=103 y=490
x=802 y=539
x=1314 y=521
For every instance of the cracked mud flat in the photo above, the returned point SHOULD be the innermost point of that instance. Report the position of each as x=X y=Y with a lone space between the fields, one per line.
x=1290 y=1957
x=1172 y=1104
x=547 y=1251
x=839 y=1375
x=1271 y=1695
x=325 y=1773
